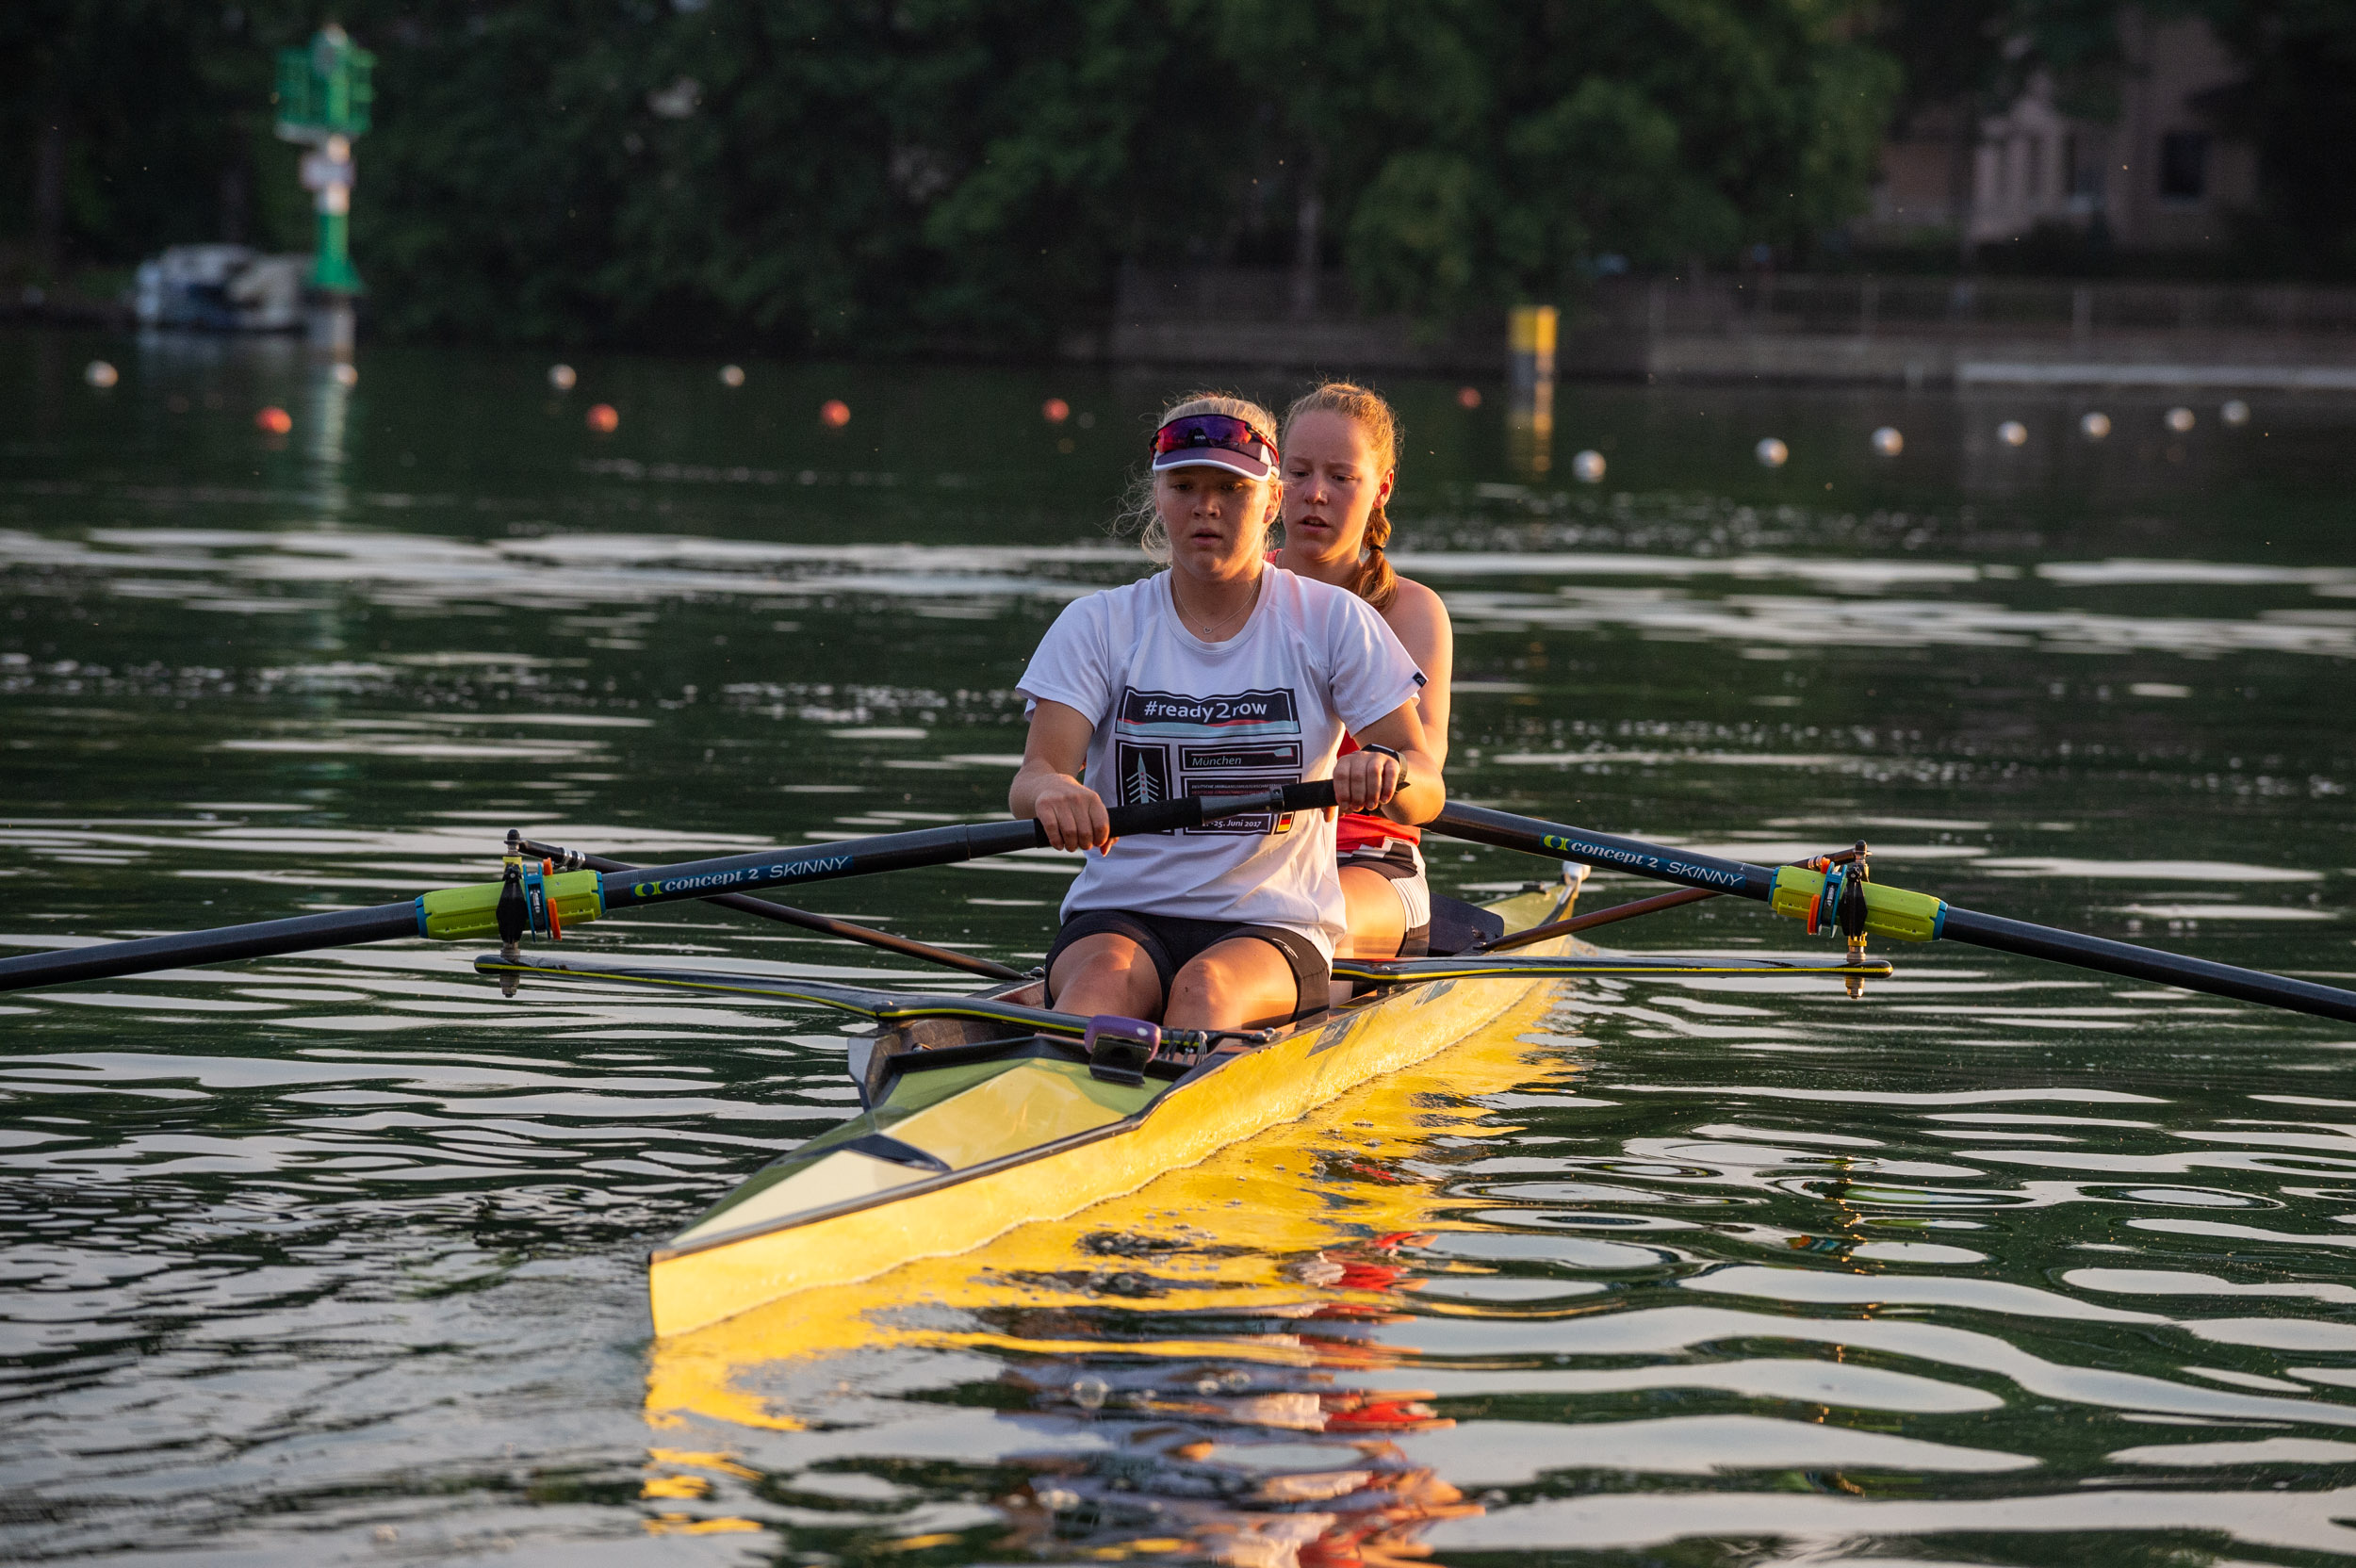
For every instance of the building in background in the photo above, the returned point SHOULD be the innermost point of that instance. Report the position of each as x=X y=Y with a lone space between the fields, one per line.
x=2161 y=176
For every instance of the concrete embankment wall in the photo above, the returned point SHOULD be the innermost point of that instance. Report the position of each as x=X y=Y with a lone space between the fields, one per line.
x=1914 y=332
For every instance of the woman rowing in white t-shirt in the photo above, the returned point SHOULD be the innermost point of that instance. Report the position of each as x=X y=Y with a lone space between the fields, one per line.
x=1223 y=675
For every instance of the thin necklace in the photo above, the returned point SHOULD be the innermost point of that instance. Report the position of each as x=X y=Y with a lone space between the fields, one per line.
x=1208 y=633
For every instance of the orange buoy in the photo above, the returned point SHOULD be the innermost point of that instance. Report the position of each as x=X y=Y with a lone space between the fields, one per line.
x=273 y=420
x=834 y=413
x=1055 y=411
x=1468 y=396
x=603 y=418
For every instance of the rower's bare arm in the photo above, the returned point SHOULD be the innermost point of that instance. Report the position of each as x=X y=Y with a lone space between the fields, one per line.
x=1368 y=782
x=1049 y=787
x=1419 y=621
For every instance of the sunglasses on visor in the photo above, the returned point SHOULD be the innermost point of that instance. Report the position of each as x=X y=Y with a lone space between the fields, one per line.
x=1212 y=430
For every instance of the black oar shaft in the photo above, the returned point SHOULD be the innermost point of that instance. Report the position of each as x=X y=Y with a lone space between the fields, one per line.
x=262 y=940
x=786 y=915
x=823 y=862
x=1662 y=863
x=929 y=846
x=1605 y=851
x=1621 y=911
x=461 y=912
x=2146 y=963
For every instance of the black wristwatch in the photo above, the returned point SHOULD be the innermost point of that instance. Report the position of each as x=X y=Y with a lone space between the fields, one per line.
x=1391 y=752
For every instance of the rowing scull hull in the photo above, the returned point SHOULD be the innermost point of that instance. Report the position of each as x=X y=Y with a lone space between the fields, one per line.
x=846 y=1216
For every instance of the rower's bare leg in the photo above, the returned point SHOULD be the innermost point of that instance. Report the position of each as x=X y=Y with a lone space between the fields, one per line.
x=1378 y=921
x=1240 y=983
x=1106 y=974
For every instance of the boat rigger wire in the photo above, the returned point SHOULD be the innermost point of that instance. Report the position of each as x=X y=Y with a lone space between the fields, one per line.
x=884 y=1007
x=1893 y=912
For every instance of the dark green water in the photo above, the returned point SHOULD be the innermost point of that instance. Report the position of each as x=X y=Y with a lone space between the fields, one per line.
x=339 y=1258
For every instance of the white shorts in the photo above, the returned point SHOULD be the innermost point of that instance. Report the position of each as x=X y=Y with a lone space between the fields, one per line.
x=1400 y=863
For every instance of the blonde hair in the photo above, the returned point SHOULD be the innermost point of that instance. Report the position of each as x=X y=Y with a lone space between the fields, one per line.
x=1375 y=583
x=1139 y=515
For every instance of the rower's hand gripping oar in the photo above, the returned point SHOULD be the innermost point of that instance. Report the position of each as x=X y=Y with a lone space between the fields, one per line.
x=1879 y=909
x=541 y=902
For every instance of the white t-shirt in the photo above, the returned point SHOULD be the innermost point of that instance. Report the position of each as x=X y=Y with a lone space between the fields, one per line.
x=1176 y=715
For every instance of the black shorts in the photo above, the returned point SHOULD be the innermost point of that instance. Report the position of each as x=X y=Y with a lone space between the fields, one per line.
x=1173 y=942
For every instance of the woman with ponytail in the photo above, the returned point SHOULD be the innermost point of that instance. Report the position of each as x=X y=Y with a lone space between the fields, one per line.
x=1340 y=446
x=1221 y=674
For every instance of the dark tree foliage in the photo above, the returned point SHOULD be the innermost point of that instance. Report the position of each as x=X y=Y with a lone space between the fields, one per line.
x=2298 y=108
x=821 y=174
x=1470 y=153
x=890 y=174
x=128 y=124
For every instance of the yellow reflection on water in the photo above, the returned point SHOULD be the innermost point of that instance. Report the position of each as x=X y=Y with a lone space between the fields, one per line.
x=1301 y=1237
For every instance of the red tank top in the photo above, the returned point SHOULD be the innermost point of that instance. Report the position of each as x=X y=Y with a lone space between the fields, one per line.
x=1356 y=830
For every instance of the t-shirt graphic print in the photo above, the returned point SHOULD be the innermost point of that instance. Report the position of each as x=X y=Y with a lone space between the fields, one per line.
x=1167 y=747
x=1175 y=715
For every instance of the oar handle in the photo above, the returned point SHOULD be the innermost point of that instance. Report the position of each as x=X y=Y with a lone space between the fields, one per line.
x=1175 y=816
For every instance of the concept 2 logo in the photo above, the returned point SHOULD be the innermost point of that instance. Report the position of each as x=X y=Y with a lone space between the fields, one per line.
x=781 y=871
x=1587 y=849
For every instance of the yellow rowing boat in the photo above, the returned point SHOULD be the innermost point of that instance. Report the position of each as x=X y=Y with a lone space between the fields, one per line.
x=970 y=1127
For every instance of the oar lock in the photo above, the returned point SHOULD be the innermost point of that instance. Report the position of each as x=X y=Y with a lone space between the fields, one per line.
x=531 y=899
x=1837 y=892
x=532 y=896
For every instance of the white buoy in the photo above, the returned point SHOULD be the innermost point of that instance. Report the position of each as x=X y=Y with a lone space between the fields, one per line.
x=562 y=377
x=731 y=375
x=101 y=374
x=2012 y=432
x=2235 y=413
x=1587 y=468
x=2180 y=419
x=1887 y=442
x=346 y=373
x=2094 y=425
x=1771 y=452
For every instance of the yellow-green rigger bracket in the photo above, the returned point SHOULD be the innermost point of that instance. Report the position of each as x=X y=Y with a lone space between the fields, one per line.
x=456 y=914
x=1892 y=912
